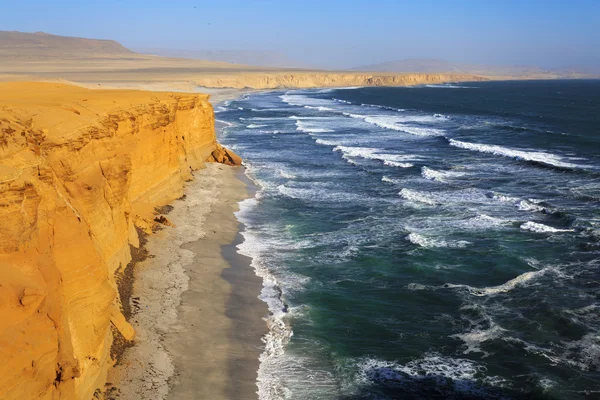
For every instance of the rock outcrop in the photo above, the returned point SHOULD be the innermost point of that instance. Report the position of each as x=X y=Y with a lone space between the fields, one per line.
x=79 y=170
x=224 y=156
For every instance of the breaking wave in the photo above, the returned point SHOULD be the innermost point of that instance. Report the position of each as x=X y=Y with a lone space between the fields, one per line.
x=533 y=156
x=541 y=228
x=428 y=242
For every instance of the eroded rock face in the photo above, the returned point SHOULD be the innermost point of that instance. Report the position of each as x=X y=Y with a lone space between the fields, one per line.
x=78 y=169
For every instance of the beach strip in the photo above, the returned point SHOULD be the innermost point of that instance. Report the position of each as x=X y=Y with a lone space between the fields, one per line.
x=194 y=301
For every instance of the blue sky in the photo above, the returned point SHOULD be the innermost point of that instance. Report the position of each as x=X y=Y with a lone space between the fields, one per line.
x=334 y=33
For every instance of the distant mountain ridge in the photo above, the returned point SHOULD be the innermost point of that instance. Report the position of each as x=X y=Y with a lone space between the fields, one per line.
x=34 y=43
x=430 y=65
x=40 y=44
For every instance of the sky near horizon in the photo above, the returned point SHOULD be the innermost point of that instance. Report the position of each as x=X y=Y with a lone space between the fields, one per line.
x=335 y=33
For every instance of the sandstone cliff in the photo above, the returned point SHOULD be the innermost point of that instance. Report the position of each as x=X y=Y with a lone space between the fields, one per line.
x=316 y=79
x=79 y=170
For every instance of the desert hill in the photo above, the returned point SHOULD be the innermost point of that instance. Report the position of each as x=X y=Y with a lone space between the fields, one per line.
x=35 y=44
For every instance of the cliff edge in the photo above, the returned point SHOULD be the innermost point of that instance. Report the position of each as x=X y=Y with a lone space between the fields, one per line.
x=79 y=171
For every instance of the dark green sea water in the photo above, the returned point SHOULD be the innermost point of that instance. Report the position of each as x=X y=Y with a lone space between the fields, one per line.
x=428 y=242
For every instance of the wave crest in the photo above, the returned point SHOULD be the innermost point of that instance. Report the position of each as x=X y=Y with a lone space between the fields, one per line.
x=541 y=228
x=428 y=242
x=540 y=157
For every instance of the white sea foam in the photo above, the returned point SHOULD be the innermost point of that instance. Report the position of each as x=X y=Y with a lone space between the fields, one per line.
x=541 y=228
x=419 y=197
x=449 y=86
x=279 y=331
x=304 y=101
x=383 y=107
x=428 y=242
x=319 y=194
x=384 y=122
x=450 y=197
x=342 y=101
x=262 y=118
x=304 y=128
x=525 y=205
x=531 y=348
x=483 y=221
x=394 y=160
x=585 y=352
x=300 y=118
x=398 y=123
x=390 y=180
x=459 y=373
x=520 y=280
x=505 y=199
x=326 y=142
x=319 y=108
x=398 y=164
x=423 y=132
x=293 y=100
x=521 y=204
x=468 y=196
x=256 y=246
x=286 y=174
x=446 y=197
x=254 y=126
x=307 y=126
x=439 y=176
x=401 y=119
x=535 y=156
x=475 y=337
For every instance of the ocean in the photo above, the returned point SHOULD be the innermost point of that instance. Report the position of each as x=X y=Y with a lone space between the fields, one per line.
x=430 y=242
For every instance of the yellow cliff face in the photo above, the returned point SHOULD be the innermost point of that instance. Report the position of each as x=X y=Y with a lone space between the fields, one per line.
x=316 y=79
x=79 y=169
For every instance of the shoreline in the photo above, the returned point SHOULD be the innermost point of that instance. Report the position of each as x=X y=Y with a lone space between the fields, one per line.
x=220 y=360
x=242 y=308
x=194 y=277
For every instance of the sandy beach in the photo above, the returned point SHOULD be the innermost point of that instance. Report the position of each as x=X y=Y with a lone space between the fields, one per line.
x=195 y=306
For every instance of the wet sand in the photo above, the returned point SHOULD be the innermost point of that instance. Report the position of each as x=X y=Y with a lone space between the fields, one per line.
x=242 y=308
x=196 y=312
